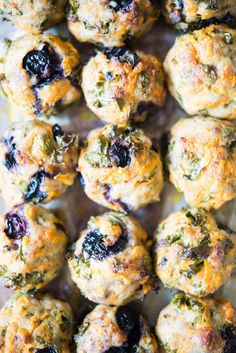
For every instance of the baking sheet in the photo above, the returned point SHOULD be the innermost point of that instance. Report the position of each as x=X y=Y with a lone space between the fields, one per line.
x=75 y=208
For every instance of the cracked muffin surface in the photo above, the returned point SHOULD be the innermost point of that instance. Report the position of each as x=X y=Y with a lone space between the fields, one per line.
x=189 y=324
x=114 y=329
x=110 y=262
x=35 y=325
x=201 y=72
x=121 y=168
x=37 y=162
x=33 y=243
x=194 y=254
x=40 y=74
x=110 y=22
x=202 y=160
x=33 y=15
x=121 y=85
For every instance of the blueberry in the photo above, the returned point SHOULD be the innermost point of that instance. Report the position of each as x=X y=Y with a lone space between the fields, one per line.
x=43 y=64
x=229 y=335
x=33 y=192
x=10 y=160
x=81 y=180
x=57 y=131
x=119 y=154
x=94 y=246
x=126 y=319
x=119 y=5
x=16 y=226
x=48 y=349
x=123 y=55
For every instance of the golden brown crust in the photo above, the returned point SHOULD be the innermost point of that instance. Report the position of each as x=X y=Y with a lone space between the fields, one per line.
x=33 y=15
x=118 y=91
x=100 y=332
x=114 y=266
x=202 y=160
x=38 y=162
x=95 y=21
x=120 y=187
x=33 y=243
x=189 y=322
x=28 y=324
x=201 y=72
x=192 y=254
x=41 y=96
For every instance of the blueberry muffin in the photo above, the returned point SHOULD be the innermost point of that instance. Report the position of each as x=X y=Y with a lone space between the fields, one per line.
x=193 y=253
x=111 y=329
x=109 y=262
x=120 y=85
x=202 y=160
x=110 y=22
x=195 y=14
x=121 y=168
x=33 y=15
x=201 y=72
x=32 y=247
x=37 y=162
x=190 y=325
x=40 y=74
x=35 y=325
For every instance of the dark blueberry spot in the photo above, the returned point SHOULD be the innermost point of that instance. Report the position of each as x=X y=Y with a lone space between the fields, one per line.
x=81 y=180
x=48 y=349
x=145 y=107
x=33 y=192
x=108 y=76
x=57 y=131
x=43 y=65
x=119 y=5
x=94 y=246
x=10 y=160
x=38 y=107
x=60 y=227
x=227 y=19
x=225 y=228
x=119 y=154
x=164 y=262
x=16 y=226
x=123 y=55
x=129 y=322
x=228 y=334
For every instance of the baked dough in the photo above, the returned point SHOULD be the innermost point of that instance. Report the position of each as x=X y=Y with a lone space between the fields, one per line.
x=32 y=247
x=202 y=160
x=189 y=324
x=121 y=85
x=37 y=162
x=35 y=325
x=109 y=262
x=110 y=22
x=111 y=329
x=121 y=168
x=40 y=74
x=193 y=253
x=201 y=72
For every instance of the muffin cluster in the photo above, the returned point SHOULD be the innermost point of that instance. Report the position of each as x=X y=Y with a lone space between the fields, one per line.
x=121 y=167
